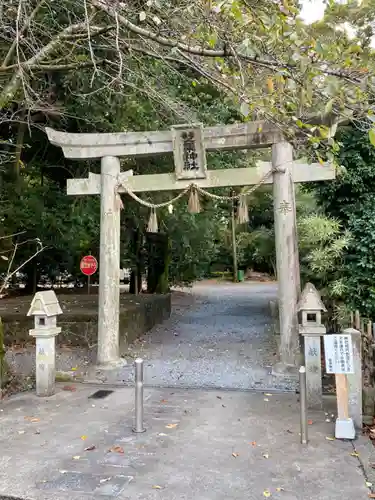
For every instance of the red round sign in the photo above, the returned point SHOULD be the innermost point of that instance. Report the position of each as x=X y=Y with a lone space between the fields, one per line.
x=88 y=265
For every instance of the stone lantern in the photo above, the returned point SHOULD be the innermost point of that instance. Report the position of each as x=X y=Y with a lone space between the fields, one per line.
x=311 y=328
x=45 y=308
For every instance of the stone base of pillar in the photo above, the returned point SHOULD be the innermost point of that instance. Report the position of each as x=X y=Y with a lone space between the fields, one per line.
x=112 y=365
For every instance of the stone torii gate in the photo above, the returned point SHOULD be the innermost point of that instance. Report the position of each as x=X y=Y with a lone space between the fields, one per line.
x=189 y=143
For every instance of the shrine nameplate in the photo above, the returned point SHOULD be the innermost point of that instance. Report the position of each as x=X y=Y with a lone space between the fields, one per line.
x=189 y=152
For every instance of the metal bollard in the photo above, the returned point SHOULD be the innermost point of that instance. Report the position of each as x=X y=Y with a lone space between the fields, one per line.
x=303 y=404
x=138 y=365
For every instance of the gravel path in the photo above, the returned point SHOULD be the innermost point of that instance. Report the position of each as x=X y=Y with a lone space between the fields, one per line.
x=219 y=336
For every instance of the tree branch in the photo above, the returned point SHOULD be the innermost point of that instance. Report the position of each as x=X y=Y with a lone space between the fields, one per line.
x=26 y=25
x=201 y=51
x=10 y=274
x=11 y=88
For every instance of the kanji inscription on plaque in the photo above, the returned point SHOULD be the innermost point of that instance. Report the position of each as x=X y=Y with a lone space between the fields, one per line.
x=285 y=207
x=338 y=354
x=189 y=151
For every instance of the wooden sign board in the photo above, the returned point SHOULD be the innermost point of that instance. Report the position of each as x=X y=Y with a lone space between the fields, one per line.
x=339 y=354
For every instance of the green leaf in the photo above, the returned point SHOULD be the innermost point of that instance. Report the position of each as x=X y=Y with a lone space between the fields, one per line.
x=329 y=105
x=371 y=136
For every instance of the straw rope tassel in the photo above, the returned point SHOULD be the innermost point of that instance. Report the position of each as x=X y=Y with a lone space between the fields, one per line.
x=118 y=199
x=194 y=205
x=153 y=222
x=243 y=211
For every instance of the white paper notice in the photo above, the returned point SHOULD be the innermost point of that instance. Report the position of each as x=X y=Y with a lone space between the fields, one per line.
x=338 y=351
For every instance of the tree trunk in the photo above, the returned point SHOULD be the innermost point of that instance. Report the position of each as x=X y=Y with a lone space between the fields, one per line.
x=158 y=263
x=136 y=274
x=135 y=285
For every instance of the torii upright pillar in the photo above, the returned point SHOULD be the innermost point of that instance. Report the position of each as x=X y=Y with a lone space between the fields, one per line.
x=109 y=269
x=287 y=262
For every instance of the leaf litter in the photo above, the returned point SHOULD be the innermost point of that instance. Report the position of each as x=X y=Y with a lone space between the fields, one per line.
x=69 y=388
x=116 y=449
x=32 y=419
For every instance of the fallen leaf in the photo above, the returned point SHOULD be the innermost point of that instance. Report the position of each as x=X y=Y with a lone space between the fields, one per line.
x=74 y=369
x=371 y=495
x=90 y=448
x=171 y=426
x=266 y=493
x=368 y=484
x=329 y=438
x=117 y=449
x=164 y=401
x=253 y=443
x=280 y=489
x=104 y=480
x=310 y=422
x=266 y=455
x=77 y=457
x=32 y=419
x=83 y=438
x=354 y=454
x=156 y=487
x=69 y=388
x=235 y=455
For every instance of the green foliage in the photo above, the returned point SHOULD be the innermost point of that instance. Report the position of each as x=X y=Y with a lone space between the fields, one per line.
x=350 y=198
x=322 y=245
x=193 y=242
x=262 y=54
x=322 y=242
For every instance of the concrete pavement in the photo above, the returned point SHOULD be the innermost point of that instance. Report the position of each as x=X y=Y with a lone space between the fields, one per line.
x=199 y=444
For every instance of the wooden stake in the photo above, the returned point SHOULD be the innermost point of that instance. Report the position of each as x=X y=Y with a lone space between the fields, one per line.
x=357 y=320
x=369 y=331
x=342 y=396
